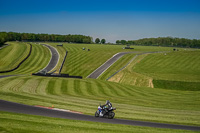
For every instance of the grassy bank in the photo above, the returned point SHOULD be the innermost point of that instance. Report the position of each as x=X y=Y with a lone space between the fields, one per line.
x=21 y=123
x=12 y=55
x=38 y=59
x=176 y=66
x=174 y=70
x=138 y=103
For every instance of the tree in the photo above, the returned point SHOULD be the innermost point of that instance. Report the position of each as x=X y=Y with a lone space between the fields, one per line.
x=123 y=42
x=103 y=41
x=118 y=42
x=87 y=39
x=97 y=40
x=3 y=37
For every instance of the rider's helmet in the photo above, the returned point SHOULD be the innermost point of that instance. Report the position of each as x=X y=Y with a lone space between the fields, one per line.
x=107 y=101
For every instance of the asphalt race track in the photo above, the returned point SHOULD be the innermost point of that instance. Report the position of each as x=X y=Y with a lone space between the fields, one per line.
x=33 y=110
x=54 y=58
x=107 y=64
x=4 y=76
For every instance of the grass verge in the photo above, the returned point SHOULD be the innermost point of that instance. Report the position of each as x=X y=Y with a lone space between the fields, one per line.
x=21 y=123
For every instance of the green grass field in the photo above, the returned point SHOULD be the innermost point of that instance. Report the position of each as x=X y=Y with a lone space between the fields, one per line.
x=38 y=59
x=83 y=62
x=164 y=97
x=12 y=55
x=176 y=66
x=21 y=123
x=174 y=70
x=138 y=103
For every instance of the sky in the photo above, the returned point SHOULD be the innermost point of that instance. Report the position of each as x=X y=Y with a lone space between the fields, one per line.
x=109 y=19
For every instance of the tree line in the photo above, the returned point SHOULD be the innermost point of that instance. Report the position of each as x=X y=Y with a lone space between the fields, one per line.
x=160 y=41
x=163 y=41
x=14 y=36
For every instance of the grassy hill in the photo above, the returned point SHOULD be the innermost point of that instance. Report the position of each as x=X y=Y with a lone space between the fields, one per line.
x=38 y=59
x=174 y=70
x=138 y=103
x=83 y=62
x=12 y=55
x=177 y=66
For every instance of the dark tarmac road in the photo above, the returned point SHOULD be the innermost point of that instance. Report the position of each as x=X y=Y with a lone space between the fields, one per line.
x=107 y=64
x=54 y=58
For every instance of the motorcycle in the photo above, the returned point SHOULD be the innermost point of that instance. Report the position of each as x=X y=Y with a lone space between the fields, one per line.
x=105 y=112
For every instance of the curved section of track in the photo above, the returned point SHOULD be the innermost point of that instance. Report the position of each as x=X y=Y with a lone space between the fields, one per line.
x=54 y=58
x=26 y=109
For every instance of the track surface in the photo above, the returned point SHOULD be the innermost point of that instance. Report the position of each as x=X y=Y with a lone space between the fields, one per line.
x=107 y=64
x=4 y=76
x=26 y=109
x=54 y=58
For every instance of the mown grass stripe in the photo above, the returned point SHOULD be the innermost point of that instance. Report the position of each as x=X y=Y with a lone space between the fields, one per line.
x=71 y=88
x=30 y=86
x=43 y=84
x=84 y=89
x=113 y=90
x=100 y=89
x=58 y=85
x=77 y=87
x=89 y=88
x=64 y=87
x=51 y=87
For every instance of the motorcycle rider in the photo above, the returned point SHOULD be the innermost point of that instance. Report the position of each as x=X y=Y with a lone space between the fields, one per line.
x=107 y=106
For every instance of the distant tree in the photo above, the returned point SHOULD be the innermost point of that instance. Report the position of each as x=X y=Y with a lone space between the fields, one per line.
x=123 y=42
x=87 y=40
x=103 y=41
x=97 y=40
x=130 y=42
x=3 y=37
x=118 y=42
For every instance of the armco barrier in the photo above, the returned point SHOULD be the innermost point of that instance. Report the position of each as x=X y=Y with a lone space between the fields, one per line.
x=57 y=75
x=4 y=46
x=63 y=62
x=20 y=62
